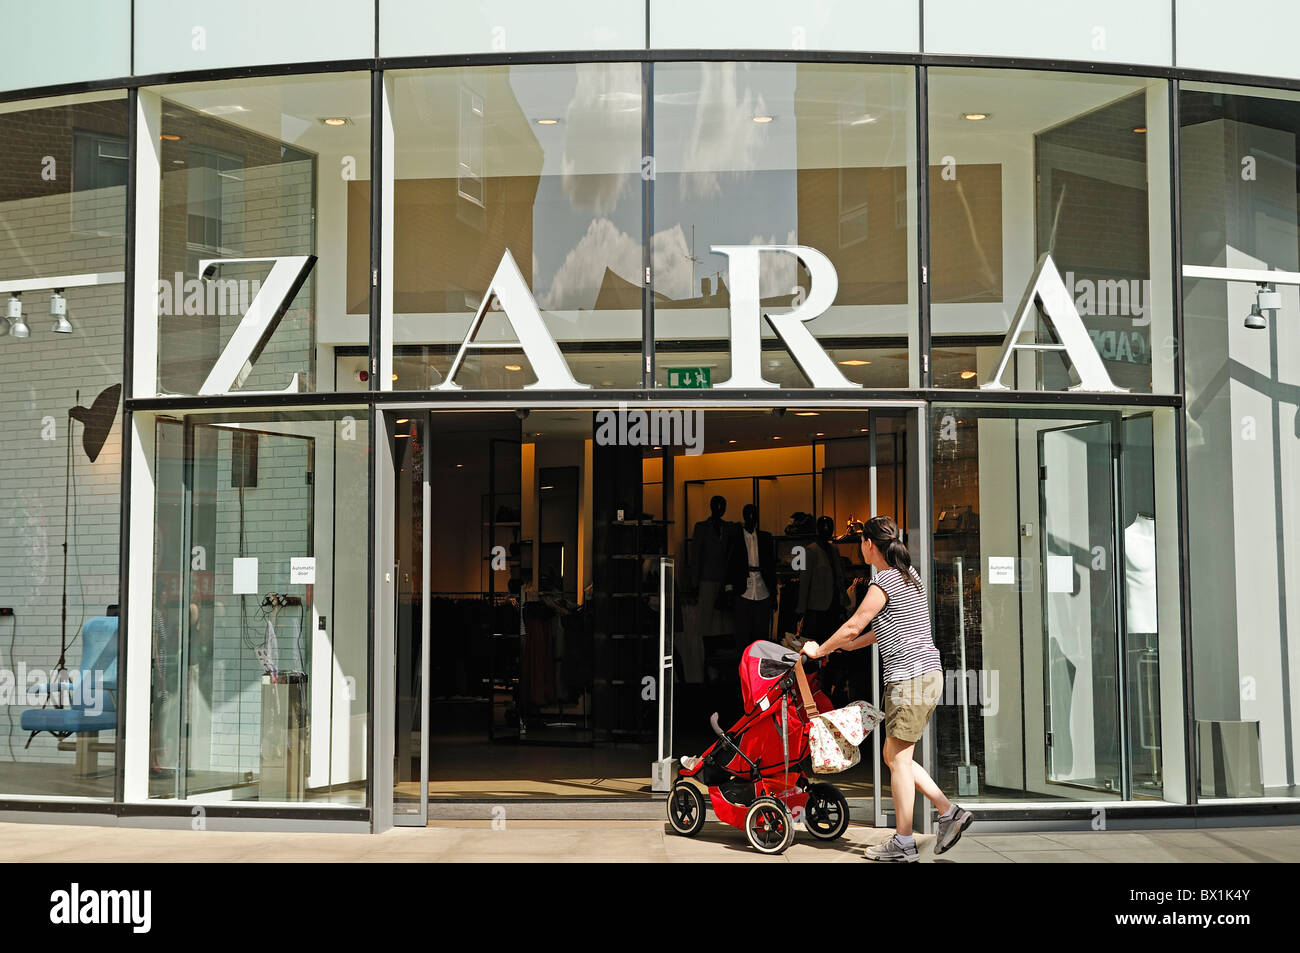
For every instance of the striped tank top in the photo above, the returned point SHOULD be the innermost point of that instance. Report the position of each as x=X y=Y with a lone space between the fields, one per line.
x=902 y=629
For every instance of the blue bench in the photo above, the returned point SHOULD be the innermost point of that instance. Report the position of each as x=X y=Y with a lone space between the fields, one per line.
x=93 y=710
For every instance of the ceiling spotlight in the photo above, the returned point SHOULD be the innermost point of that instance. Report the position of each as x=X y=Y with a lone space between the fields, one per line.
x=968 y=375
x=547 y=122
x=336 y=121
x=975 y=117
x=805 y=413
x=762 y=119
x=59 y=311
x=1256 y=320
x=17 y=327
x=854 y=363
x=514 y=367
x=169 y=137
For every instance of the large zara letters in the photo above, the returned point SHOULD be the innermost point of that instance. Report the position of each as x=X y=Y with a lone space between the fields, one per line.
x=1046 y=290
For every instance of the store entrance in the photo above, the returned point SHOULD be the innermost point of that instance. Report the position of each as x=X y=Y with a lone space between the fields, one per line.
x=538 y=555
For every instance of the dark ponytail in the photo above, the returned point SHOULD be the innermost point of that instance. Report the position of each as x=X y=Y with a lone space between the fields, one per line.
x=884 y=533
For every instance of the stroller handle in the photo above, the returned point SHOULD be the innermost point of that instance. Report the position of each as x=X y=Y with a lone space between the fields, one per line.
x=713 y=722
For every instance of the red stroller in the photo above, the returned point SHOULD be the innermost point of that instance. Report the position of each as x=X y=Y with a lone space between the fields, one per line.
x=757 y=773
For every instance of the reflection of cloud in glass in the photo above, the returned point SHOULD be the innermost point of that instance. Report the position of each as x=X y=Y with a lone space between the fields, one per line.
x=604 y=247
x=602 y=125
x=777 y=273
x=724 y=136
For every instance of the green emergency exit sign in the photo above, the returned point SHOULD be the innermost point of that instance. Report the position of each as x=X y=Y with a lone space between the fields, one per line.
x=689 y=377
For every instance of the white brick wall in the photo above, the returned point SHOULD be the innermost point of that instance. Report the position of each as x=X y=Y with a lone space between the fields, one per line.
x=39 y=377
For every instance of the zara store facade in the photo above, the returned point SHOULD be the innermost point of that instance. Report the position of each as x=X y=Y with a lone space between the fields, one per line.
x=368 y=375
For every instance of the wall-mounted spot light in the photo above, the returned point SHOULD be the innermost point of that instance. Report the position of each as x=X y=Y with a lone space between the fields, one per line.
x=59 y=311
x=17 y=326
x=1267 y=298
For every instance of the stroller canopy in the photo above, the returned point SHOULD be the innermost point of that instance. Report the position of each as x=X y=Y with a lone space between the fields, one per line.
x=762 y=665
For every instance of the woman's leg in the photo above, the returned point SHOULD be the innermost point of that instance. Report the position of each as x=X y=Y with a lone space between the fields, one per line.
x=905 y=777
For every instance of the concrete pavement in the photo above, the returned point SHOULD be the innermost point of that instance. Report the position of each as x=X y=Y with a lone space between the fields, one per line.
x=641 y=841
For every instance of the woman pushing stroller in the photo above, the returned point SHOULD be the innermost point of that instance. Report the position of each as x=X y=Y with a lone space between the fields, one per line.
x=895 y=615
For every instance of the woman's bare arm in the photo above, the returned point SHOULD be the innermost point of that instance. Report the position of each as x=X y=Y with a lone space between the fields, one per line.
x=856 y=632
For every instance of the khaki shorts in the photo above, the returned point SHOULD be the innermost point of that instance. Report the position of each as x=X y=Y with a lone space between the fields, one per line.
x=909 y=705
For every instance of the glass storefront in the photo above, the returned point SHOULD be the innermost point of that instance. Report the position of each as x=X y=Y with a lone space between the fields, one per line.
x=62 y=247
x=260 y=661
x=1241 y=153
x=408 y=499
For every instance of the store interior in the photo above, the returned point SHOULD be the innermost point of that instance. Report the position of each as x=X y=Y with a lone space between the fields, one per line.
x=554 y=554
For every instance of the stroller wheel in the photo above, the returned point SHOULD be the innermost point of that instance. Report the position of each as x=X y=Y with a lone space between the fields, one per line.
x=768 y=826
x=686 y=809
x=826 y=814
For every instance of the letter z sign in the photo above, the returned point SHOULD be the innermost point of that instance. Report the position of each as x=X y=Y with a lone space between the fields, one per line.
x=288 y=273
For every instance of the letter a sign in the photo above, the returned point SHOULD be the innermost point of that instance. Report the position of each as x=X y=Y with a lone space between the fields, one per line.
x=1048 y=291
x=535 y=340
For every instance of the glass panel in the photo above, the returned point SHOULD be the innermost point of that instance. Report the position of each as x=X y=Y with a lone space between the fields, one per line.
x=775 y=25
x=62 y=222
x=172 y=36
x=1115 y=31
x=418 y=28
x=54 y=48
x=1080 y=641
x=785 y=154
x=1047 y=592
x=1076 y=167
x=261 y=665
x=538 y=163
x=409 y=534
x=1241 y=157
x=262 y=169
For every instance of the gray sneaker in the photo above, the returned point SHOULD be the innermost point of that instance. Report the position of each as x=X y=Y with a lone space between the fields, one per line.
x=950 y=829
x=894 y=851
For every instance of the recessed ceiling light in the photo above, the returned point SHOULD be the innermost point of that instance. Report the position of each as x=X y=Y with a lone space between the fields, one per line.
x=975 y=117
x=168 y=137
x=967 y=375
x=459 y=465
x=731 y=441
x=1139 y=129
x=854 y=363
x=762 y=119
x=820 y=434
x=547 y=122
x=805 y=413
x=514 y=367
x=336 y=121
x=404 y=420
x=178 y=161
x=776 y=438
x=863 y=430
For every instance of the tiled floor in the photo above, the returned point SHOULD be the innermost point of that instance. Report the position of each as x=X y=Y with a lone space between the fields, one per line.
x=625 y=841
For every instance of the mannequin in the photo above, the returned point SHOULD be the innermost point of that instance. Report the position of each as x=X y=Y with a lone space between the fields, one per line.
x=709 y=547
x=752 y=577
x=823 y=598
x=1140 y=574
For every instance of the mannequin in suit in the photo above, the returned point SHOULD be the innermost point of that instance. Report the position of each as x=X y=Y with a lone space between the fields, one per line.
x=710 y=543
x=752 y=577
